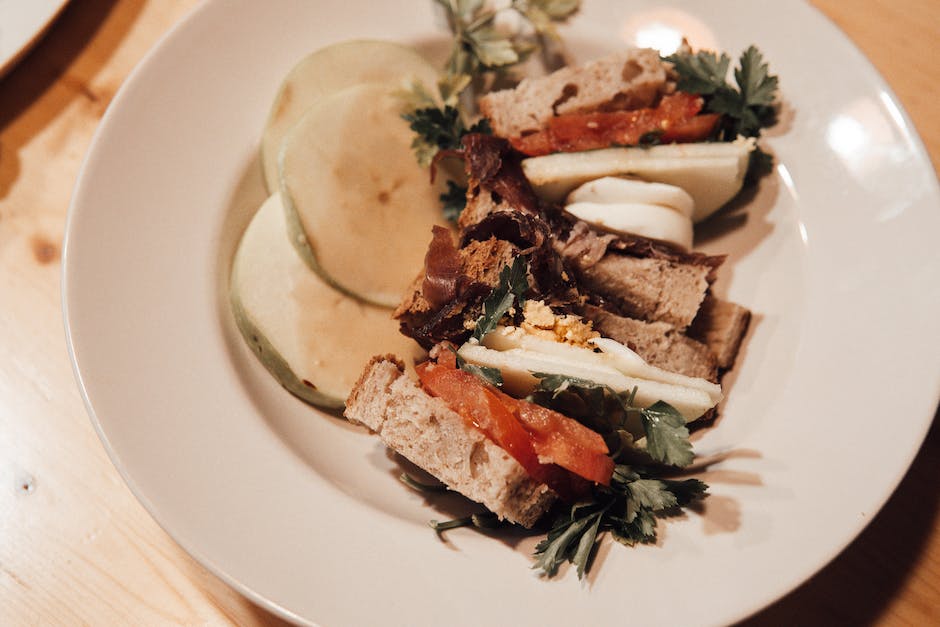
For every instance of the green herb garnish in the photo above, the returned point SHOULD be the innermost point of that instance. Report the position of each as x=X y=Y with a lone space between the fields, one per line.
x=628 y=508
x=747 y=107
x=614 y=415
x=484 y=520
x=511 y=289
x=479 y=46
x=439 y=128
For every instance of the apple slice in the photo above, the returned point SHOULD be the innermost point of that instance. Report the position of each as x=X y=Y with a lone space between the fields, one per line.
x=712 y=173
x=360 y=208
x=313 y=339
x=329 y=70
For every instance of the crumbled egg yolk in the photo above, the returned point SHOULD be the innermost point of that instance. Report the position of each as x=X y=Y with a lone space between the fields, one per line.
x=541 y=321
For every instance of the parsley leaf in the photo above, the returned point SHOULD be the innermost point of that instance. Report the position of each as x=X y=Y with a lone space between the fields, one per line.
x=614 y=415
x=572 y=539
x=758 y=87
x=667 y=438
x=701 y=73
x=512 y=286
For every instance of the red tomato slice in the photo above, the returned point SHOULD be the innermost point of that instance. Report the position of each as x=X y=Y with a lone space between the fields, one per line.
x=692 y=130
x=576 y=132
x=565 y=442
x=528 y=432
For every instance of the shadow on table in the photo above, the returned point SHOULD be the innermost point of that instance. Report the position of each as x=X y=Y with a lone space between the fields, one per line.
x=65 y=55
x=859 y=585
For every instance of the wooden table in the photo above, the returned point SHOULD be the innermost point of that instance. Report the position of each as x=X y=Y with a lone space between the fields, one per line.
x=77 y=548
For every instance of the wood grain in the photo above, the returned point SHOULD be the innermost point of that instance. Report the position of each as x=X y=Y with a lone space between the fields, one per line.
x=75 y=545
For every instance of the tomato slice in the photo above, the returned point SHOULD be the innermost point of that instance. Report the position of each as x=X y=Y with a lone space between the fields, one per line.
x=694 y=129
x=565 y=442
x=530 y=433
x=575 y=132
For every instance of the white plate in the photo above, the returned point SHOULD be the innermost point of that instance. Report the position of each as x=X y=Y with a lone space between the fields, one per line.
x=828 y=405
x=22 y=23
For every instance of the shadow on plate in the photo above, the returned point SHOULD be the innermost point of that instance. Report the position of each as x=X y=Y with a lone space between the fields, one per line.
x=860 y=586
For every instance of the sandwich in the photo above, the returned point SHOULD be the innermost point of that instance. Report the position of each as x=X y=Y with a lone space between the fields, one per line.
x=530 y=312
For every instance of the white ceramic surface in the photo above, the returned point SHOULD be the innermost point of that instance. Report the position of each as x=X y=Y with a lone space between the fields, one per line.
x=827 y=406
x=22 y=23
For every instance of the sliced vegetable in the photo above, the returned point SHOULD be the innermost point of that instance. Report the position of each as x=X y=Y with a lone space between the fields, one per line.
x=313 y=339
x=480 y=405
x=672 y=120
x=360 y=209
x=328 y=71
x=564 y=441
x=535 y=436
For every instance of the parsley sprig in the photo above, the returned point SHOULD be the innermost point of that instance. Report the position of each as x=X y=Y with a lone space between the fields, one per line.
x=748 y=106
x=480 y=48
x=439 y=128
x=628 y=509
x=480 y=45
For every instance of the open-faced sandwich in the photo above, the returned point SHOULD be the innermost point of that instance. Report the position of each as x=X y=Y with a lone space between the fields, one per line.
x=561 y=337
x=572 y=331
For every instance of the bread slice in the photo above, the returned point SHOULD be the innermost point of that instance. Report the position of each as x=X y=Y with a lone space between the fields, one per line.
x=429 y=434
x=721 y=325
x=658 y=343
x=630 y=79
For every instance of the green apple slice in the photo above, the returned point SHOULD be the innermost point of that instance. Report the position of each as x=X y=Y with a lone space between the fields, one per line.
x=711 y=173
x=360 y=208
x=313 y=339
x=329 y=70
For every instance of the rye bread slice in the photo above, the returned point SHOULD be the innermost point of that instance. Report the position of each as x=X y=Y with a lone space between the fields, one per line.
x=658 y=343
x=629 y=79
x=721 y=325
x=425 y=431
